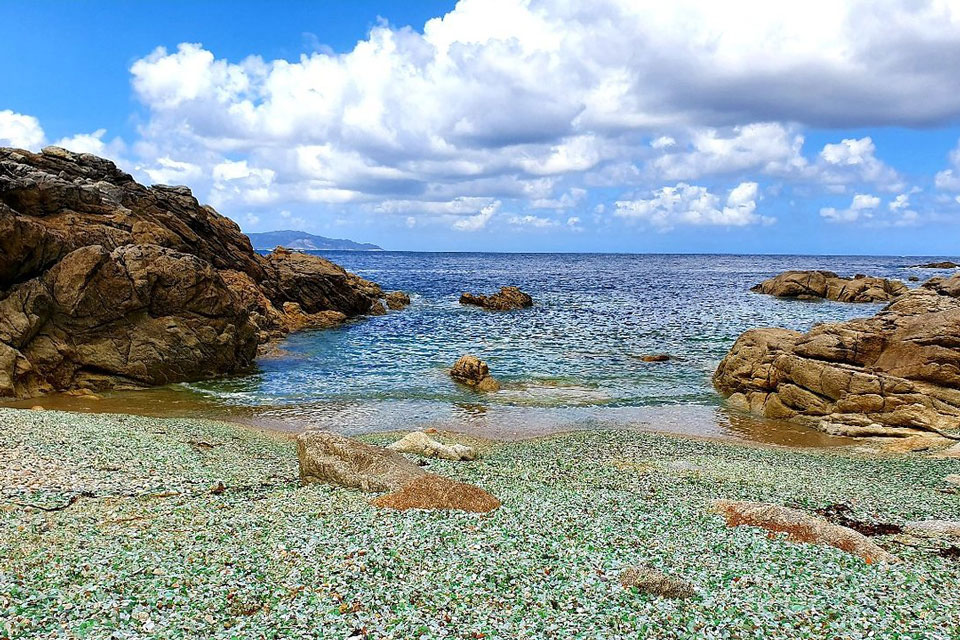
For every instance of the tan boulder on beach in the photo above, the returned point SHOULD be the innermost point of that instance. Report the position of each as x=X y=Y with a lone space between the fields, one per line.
x=334 y=459
x=421 y=444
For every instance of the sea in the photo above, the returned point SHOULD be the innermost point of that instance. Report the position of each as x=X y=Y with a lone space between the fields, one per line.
x=572 y=361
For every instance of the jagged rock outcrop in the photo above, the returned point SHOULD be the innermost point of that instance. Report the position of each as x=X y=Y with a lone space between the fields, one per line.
x=938 y=265
x=507 y=299
x=826 y=285
x=474 y=372
x=105 y=282
x=892 y=374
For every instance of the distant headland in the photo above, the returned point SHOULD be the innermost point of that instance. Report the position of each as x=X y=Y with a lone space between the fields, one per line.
x=305 y=241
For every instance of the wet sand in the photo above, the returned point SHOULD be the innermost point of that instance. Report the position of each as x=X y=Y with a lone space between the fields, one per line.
x=480 y=419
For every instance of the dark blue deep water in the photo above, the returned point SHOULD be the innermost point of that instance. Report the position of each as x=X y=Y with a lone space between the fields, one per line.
x=573 y=358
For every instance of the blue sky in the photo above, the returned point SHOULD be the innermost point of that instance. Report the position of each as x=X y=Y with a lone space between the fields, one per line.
x=517 y=124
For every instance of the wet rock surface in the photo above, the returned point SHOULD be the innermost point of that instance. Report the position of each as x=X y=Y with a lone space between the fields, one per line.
x=826 y=285
x=107 y=283
x=894 y=374
x=473 y=372
x=507 y=299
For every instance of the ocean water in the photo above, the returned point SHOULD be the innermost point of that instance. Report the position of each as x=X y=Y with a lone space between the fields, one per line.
x=573 y=360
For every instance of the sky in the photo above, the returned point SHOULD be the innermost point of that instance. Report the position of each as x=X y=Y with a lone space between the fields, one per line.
x=822 y=127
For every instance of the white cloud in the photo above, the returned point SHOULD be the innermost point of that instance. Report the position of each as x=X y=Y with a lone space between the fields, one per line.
x=19 y=130
x=862 y=207
x=94 y=143
x=663 y=142
x=687 y=204
x=949 y=179
x=169 y=171
x=767 y=147
x=477 y=221
x=514 y=98
x=854 y=159
x=532 y=221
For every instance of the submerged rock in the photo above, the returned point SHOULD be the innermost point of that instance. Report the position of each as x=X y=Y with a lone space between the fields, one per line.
x=649 y=580
x=800 y=527
x=826 y=285
x=397 y=300
x=893 y=374
x=334 y=459
x=507 y=299
x=436 y=492
x=473 y=372
x=655 y=357
x=106 y=283
x=419 y=443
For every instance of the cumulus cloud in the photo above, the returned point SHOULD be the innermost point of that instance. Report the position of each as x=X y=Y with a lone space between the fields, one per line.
x=949 y=179
x=855 y=159
x=862 y=207
x=477 y=221
x=19 y=130
x=510 y=99
x=686 y=204
x=770 y=148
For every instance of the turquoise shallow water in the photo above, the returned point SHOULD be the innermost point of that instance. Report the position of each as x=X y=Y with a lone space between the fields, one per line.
x=573 y=359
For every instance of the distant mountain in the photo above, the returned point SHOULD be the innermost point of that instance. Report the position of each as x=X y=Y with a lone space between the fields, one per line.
x=305 y=241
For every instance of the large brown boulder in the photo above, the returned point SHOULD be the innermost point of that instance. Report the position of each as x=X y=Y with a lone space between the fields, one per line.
x=105 y=282
x=330 y=458
x=137 y=315
x=826 y=285
x=507 y=299
x=895 y=373
x=474 y=372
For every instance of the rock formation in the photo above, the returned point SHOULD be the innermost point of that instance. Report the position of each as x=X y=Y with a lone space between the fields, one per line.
x=473 y=372
x=436 y=492
x=334 y=459
x=649 y=580
x=419 y=443
x=820 y=285
x=397 y=300
x=800 y=527
x=938 y=265
x=507 y=299
x=895 y=373
x=107 y=283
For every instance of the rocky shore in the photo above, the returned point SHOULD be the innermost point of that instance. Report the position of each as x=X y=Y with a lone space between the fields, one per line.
x=894 y=374
x=124 y=526
x=106 y=283
x=826 y=285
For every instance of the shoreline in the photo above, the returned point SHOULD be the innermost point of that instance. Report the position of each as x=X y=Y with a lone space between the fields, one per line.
x=499 y=423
